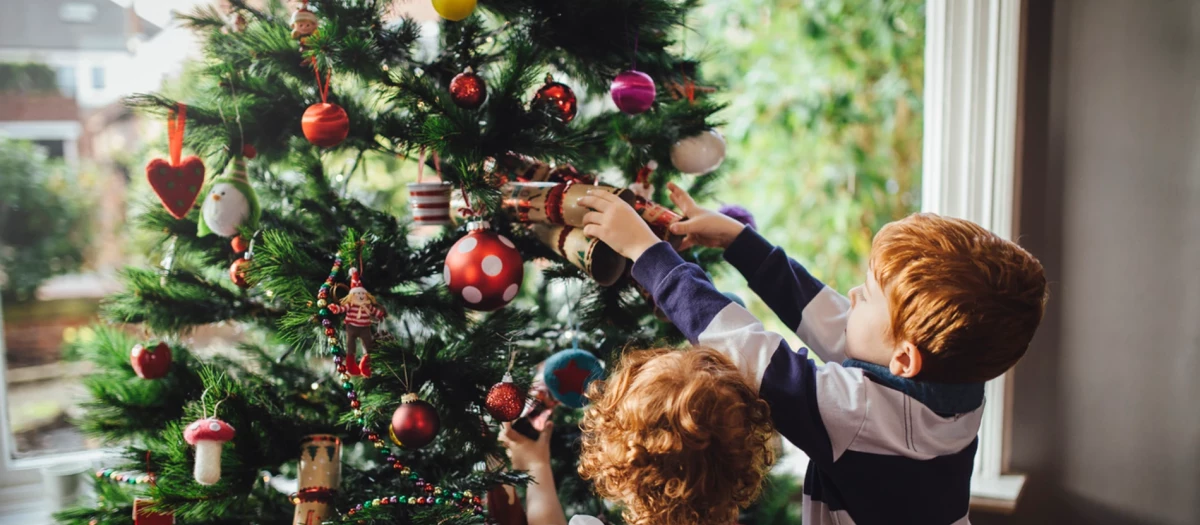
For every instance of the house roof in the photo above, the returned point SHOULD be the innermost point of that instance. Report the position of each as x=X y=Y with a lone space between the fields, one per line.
x=84 y=25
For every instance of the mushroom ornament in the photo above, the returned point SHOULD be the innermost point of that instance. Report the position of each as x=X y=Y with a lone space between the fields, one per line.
x=208 y=435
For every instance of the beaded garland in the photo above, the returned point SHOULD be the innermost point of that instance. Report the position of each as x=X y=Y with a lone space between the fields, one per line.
x=434 y=495
x=131 y=478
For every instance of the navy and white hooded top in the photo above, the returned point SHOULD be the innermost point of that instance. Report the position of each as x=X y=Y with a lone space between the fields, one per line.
x=883 y=449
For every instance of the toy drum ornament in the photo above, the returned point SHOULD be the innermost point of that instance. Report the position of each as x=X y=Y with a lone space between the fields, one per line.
x=430 y=203
x=599 y=260
x=319 y=477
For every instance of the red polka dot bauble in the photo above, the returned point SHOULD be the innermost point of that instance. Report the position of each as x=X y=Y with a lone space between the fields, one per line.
x=325 y=124
x=484 y=269
x=505 y=401
x=415 y=423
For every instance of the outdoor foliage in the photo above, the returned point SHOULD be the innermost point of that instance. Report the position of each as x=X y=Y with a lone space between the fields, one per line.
x=29 y=78
x=44 y=218
x=823 y=118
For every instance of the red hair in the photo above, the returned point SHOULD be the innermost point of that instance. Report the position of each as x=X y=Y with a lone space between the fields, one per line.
x=969 y=300
x=679 y=438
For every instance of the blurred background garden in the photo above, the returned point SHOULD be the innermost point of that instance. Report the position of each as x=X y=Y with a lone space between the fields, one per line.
x=823 y=125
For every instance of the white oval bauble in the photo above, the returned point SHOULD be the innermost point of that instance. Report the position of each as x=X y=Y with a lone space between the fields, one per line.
x=225 y=209
x=699 y=154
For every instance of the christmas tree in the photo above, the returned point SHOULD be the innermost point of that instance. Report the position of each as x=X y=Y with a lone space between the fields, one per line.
x=394 y=226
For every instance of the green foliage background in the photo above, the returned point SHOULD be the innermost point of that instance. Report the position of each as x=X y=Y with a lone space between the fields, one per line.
x=823 y=121
x=43 y=219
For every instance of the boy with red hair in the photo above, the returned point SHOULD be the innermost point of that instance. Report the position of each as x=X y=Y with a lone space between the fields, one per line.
x=890 y=420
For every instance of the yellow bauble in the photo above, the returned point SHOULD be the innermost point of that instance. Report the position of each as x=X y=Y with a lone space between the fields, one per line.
x=454 y=9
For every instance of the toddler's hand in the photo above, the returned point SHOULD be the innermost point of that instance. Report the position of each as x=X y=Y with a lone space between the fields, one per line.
x=703 y=227
x=526 y=453
x=617 y=224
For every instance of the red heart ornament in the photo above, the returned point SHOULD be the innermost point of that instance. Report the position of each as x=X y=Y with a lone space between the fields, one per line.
x=176 y=186
x=151 y=363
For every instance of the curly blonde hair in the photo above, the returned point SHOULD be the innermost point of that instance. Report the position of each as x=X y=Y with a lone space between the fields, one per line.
x=677 y=437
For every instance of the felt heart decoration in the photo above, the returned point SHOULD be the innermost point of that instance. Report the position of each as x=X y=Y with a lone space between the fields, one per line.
x=176 y=186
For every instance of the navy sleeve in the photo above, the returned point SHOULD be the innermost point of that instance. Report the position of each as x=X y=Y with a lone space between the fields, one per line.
x=816 y=312
x=788 y=380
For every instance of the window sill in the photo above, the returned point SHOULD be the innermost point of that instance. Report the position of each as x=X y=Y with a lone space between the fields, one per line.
x=996 y=494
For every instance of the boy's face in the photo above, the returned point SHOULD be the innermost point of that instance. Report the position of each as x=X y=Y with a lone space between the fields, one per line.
x=868 y=325
x=359 y=298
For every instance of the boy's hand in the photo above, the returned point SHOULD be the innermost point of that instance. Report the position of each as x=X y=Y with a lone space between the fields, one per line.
x=703 y=227
x=526 y=453
x=617 y=224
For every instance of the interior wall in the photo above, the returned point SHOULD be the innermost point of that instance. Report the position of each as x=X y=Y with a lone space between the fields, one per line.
x=1106 y=405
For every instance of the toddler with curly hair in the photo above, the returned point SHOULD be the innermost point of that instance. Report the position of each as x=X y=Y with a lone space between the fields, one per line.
x=674 y=437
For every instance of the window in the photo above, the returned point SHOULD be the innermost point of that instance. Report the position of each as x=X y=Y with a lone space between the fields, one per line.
x=972 y=54
x=97 y=78
x=65 y=77
x=77 y=12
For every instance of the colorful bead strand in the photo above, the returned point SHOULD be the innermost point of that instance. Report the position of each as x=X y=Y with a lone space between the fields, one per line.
x=433 y=495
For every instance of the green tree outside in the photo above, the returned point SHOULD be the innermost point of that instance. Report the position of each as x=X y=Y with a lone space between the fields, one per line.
x=43 y=220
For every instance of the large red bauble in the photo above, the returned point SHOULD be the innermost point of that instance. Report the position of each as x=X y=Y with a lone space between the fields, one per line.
x=484 y=268
x=468 y=90
x=237 y=272
x=325 y=124
x=505 y=401
x=415 y=423
x=176 y=186
x=556 y=100
x=151 y=363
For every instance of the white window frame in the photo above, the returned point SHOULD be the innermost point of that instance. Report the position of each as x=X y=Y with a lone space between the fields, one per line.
x=972 y=78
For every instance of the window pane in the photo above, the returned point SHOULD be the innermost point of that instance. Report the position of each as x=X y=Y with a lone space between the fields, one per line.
x=98 y=78
x=66 y=80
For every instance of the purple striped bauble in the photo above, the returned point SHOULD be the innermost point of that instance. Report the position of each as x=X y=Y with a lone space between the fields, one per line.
x=633 y=91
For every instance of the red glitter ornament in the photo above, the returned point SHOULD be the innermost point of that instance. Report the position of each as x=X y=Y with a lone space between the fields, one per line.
x=505 y=401
x=415 y=423
x=325 y=124
x=555 y=99
x=468 y=90
x=484 y=268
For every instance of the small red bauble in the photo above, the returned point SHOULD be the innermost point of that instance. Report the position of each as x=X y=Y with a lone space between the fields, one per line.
x=151 y=363
x=239 y=244
x=505 y=401
x=468 y=89
x=484 y=268
x=415 y=423
x=325 y=124
x=237 y=272
x=555 y=99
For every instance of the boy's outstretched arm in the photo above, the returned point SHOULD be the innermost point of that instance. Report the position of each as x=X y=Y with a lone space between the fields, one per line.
x=814 y=311
x=811 y=406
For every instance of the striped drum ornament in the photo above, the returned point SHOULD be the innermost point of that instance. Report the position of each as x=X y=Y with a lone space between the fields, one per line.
x=430 y=203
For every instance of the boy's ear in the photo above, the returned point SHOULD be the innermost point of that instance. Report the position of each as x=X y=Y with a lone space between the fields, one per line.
x=906 y=360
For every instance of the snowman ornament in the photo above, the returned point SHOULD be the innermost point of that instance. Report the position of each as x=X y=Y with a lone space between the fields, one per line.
x=230 y=203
